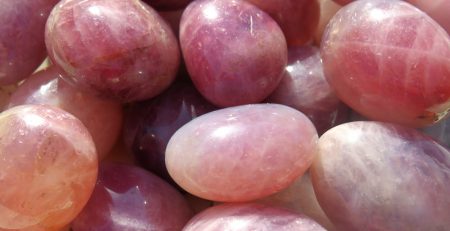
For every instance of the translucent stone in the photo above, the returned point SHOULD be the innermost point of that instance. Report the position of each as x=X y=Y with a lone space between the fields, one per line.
x=234 y=52
x=22 y=46
x=102 y=117
x=241 y=153
x=119 y=49
x=389 y=61
x=237 y=217
x=378 y=176
x=129 y=198
x=49 y=168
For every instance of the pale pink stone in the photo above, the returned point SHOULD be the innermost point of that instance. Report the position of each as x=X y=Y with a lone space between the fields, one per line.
x=241 y=153
x=375 y=176
x=240 y=217
x=436 y=9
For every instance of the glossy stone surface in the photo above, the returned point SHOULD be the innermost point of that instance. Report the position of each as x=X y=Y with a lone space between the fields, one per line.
x=437 y=9
x=305 y=88
x=297 y=18
x=150 y=124
x=299 y=197
x=377 y=176
x=22 y=46
x=103 y=118
x=167 y=5
x=389 y=61
x=116 y=48
x=234 y=52
x=49 y=168
x=241 y=153
x=236 y=217
x=128 y=198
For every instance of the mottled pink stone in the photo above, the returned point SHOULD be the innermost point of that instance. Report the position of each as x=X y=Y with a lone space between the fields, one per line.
x=250 y=216
x=241 y=153
x=48 y=168
x=235 y=53
x=22 y=46
x=436 y=9
x=305 y=88
x=103 y=118
x=389 y=61
x=128 y=198
x=375 y=176
x=297 y=18
x=116 y=48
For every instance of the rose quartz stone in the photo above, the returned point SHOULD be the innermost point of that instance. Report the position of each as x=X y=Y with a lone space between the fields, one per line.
x=128 y=198
x=234 y=52
x=297 y=18
x=251 y=216
x=305 y=88
x=241 y=153
x=103 y=118
x=299 y=197
x=436 y=9
x=376 y=176
x=389 y=61
x=115 y=48
x=49 y=168
x=22 y=47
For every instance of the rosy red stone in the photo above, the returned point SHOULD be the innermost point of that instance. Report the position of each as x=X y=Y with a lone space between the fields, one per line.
x=48 y=168
x=305 y=88
x=150 y=124
x=103 y=118
x=436 y=9
x=116 y=48
x=129 y=198
x=251 y=216
x=235 y=53
x=343 y=2
x=241 y=153
x=376 y=176
x=297 y=18
x=22 y=46
x=389 y=61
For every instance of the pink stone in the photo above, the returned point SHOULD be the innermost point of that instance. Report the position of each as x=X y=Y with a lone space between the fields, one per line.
x=22 y=46
x=116 y=48
x=436 y=9
x=305 y=88
x=241 y=153
x=237 y=217
x=103 y=118
x=48 y=168
x=128 y=198
x=234 y=52
x=389 y=61
x=297 y=18
x=299 y=197
x=376 y=176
